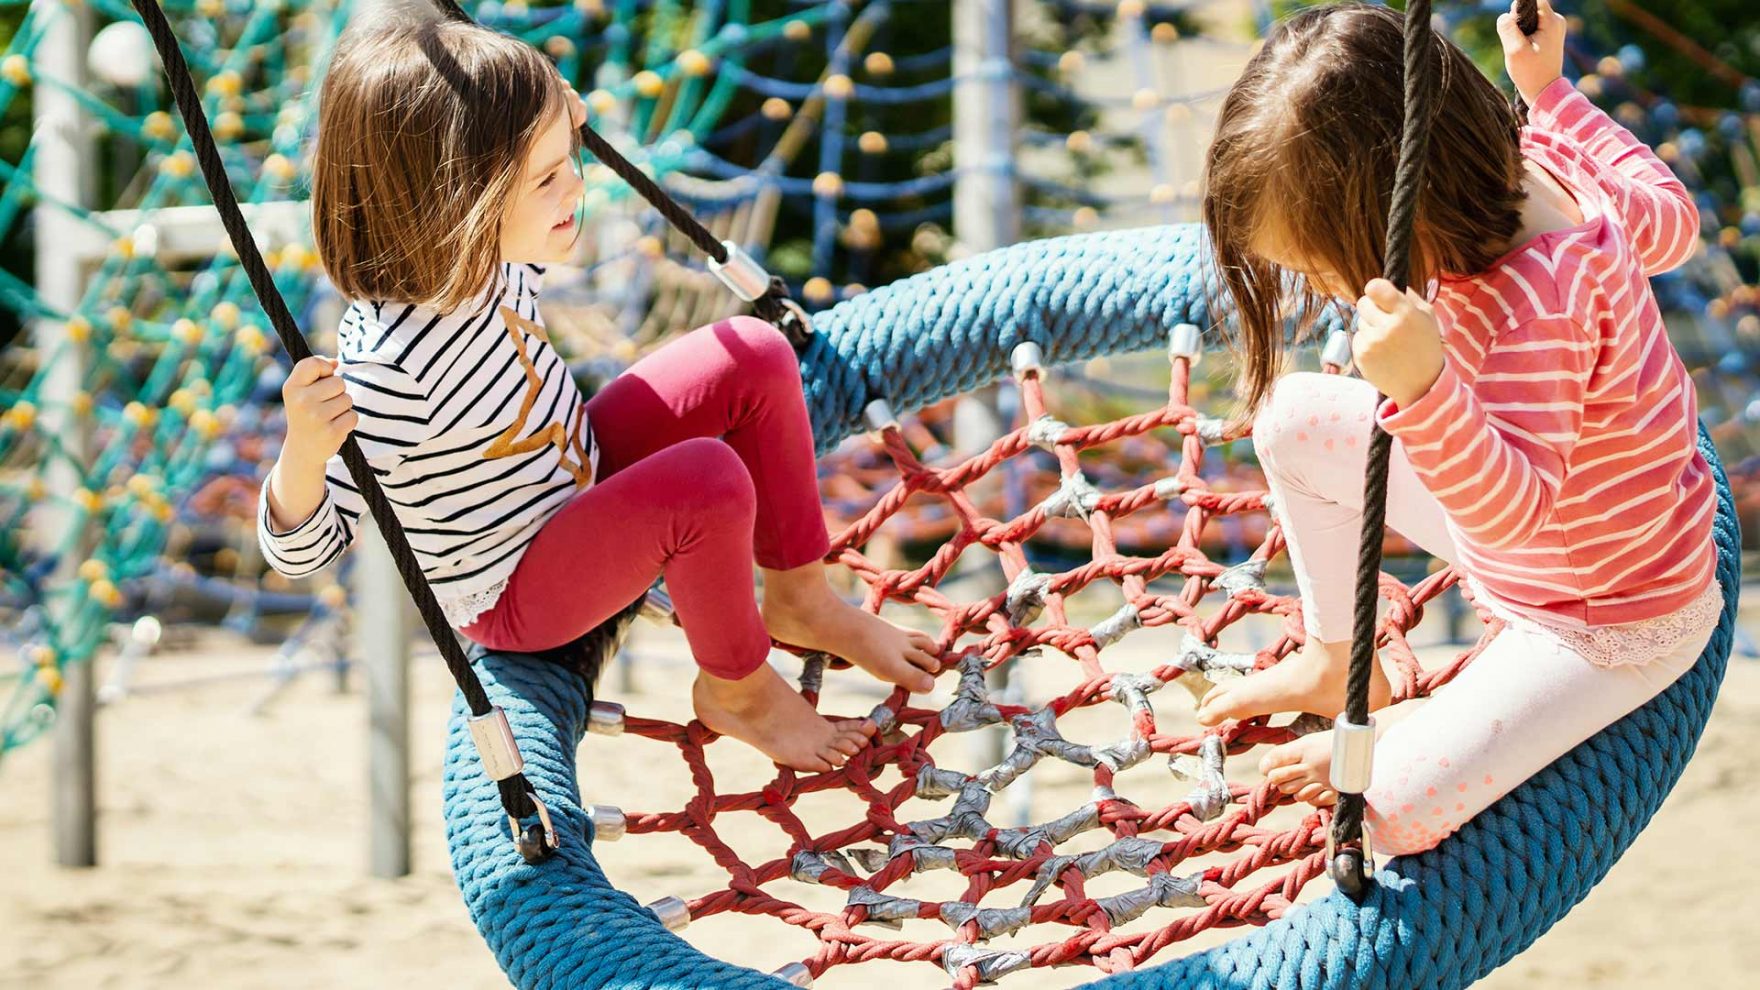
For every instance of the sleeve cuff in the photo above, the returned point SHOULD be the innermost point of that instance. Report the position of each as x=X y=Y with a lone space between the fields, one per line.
x=265 y=521
x=1428 y=412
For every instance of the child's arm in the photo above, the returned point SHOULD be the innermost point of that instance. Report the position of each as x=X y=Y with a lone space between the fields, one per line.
x=1657 y=212
x=308 y=510
x=1494 y=454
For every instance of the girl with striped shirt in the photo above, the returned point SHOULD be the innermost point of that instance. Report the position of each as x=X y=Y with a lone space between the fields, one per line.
x=445 y=179
x=1544 y=428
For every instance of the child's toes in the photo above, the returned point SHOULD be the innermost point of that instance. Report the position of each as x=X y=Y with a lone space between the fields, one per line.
x=1279 y=756
x=922 y=640
x=923 y=659
x=1290 y=778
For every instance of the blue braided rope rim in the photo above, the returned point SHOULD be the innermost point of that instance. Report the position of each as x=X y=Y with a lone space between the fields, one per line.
x=1441 y=919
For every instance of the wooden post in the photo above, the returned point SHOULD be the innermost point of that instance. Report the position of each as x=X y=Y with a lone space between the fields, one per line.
x=382 y=639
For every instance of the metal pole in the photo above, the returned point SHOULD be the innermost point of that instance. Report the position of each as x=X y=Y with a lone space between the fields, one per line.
x=382 y=639
x=63 y=148
x=986 y=215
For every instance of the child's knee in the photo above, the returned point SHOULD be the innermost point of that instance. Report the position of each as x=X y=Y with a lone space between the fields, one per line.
x=1280 y=429
x=763 y=352
x=711 y=479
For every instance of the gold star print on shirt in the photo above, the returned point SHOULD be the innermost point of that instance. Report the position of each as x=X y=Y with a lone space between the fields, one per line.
x=509 y=442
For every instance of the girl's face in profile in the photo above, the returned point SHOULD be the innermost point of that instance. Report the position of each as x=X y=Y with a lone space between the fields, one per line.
x=542 y=219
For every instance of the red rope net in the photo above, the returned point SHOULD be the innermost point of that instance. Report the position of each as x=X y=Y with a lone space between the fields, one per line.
x=871 y=859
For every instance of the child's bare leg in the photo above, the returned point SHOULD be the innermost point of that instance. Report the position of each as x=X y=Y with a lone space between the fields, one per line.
x=800 y=608
x=761 y=709
x=1310 y=680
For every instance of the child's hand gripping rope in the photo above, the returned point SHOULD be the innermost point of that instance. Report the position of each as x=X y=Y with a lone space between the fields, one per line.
x=1398 y=343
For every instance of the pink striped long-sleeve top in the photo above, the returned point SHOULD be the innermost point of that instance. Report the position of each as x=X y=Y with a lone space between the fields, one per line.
x=1561 y=435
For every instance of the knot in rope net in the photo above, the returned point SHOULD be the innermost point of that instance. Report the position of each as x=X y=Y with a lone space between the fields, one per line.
x=1182 y=837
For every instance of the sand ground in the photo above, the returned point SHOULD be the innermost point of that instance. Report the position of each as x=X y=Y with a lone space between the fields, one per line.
x=234 y=846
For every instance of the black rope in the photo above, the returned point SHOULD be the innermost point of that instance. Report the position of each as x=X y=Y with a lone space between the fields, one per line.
x=1421 y=68
x=772 y=307
x=515 y=790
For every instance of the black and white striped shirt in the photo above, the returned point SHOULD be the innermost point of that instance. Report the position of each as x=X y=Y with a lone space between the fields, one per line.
x=474 y=429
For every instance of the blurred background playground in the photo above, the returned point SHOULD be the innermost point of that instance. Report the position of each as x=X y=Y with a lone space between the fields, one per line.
x=209 y=773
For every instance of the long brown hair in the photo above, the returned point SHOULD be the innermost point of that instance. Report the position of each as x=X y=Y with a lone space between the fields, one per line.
x=424 y=126
x=1305 y=149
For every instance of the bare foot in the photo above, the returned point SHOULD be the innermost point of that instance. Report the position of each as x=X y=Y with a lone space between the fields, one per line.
x=1310 y=680
x=807 y=613
x=762 y=710
x=1303 y=768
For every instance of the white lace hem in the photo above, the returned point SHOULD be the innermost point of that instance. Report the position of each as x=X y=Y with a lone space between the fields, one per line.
x=465 y=609
x=1626 y=643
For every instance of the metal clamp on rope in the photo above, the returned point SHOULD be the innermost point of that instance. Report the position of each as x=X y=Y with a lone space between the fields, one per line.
x=501 y=759
x=1353 y=760
x=1337 y=351
x=741 y=273
x=1027 y=360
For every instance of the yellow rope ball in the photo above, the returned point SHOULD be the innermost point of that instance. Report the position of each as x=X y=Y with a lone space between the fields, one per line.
x=1162 y=194
x=558 y=46
x=839 y=86
x=93 y=570
x=1729 y=237
x=797 y=30
x=1129 y=9
x=16 y=69
x=601 y=102
x=228 y=125
x=88 y=501
x=828 y=184
x=50 y=679
x=280 y=168
x=1079 y=142
x=334 y=596
x=159 y=127
x=183 y=402
x=517 y=8
x=694 y=63
x=226 y=314
x=124 y=247
x=142 y=485
x=592 y=8
x=119 y=318
x=1085 y=217
x=1145 y=99
x=139 y=414
x=1070 y=62
x=1610 y=67
x=226 y=83
x=252 y=340
x=1178 y=113
x=649 y=84
x=777 y=108
x=872 y=143
x=205 y=424
x=178 y=165
x=1590 y=85
x=35 y=490
x=81 y=404
x=878 y=64
x=1164 y=34
x=818 y=289
x=854 y=289
x=226 y=559
x=187 y=331
x=106 y=594
x=79 y=329
x=22 y=416
x=162 y=510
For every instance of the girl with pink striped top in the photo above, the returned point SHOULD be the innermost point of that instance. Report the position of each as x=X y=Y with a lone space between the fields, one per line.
x=1544 y=427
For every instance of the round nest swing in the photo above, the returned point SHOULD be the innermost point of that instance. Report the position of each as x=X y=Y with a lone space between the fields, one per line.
x=1438 y=919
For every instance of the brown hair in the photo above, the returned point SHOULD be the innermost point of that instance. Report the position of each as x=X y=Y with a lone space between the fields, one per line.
x=424 y=126
x=1306 y=145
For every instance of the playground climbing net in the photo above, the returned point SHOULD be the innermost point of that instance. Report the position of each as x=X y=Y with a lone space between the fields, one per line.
x=1020 y=881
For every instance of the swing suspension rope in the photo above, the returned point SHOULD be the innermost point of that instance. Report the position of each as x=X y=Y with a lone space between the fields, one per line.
x=489 y=729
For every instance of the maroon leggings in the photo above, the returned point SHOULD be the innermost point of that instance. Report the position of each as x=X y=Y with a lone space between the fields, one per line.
x=705 y=465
